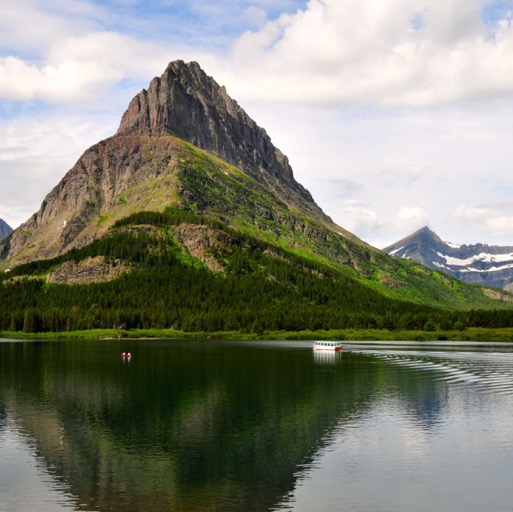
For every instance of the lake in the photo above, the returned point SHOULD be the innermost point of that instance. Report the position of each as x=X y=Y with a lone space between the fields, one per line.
x=255 y=426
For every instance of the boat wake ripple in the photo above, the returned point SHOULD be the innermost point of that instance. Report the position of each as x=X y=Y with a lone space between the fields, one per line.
x=491 y=372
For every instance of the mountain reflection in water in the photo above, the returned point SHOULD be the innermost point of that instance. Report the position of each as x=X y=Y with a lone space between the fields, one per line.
x=189 y=426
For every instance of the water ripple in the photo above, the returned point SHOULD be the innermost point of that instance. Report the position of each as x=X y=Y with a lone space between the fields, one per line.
x=491 y=372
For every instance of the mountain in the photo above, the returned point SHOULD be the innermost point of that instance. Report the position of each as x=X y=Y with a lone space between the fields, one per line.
x=5 y=229
x=189 y=217
x=487 y=265
x=150 y=163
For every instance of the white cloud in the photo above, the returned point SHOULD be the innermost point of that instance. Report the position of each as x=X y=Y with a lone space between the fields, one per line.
x=77 y=68
x=359 y=218
x=495 y=220
x=471 y=213
x=347 y=51
x=30 y=27
x=501 y=225
x=414 y=172
x=412 y=217
x=394 y=52
x=330 y=52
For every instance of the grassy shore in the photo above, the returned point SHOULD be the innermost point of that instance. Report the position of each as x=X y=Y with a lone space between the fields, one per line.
x=470 y=334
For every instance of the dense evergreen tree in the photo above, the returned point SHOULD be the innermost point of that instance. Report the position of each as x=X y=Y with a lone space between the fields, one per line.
x=260 y=289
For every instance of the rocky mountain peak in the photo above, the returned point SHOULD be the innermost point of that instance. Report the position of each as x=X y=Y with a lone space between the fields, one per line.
x=147 y=166
x=419 y=246
x=5 y=229
x=165 y=107
x=425 y=233
x=189 y=104
x=488 y=265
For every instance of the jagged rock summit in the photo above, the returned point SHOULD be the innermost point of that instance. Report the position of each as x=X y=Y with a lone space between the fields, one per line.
x=189 y=104
x=487 y=265
x=5 y=229
x=152 y=162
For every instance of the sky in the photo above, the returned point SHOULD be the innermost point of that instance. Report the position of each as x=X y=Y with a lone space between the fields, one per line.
x=395 y=114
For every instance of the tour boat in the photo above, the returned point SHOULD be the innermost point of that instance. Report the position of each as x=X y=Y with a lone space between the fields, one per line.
x=333 y=346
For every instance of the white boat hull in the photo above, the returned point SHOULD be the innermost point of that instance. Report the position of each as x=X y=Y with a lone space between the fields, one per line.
x=328 y=346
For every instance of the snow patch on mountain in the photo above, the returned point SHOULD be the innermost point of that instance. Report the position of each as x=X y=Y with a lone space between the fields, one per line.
x=393 y=253
x=483 y=257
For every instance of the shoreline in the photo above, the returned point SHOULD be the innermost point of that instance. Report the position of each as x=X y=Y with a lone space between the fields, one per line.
x=473 y=334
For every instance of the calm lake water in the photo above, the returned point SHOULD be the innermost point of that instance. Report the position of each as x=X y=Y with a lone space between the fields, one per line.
x=212 y=426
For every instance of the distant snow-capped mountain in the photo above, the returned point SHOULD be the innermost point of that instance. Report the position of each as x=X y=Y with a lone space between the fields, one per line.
x=488 y=265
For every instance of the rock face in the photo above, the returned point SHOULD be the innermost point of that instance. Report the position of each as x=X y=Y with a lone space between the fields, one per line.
x=487 y=265
x=190 y=105
x=86 y=201
x=202 y=242
x=5 y=229
x=90 y=270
